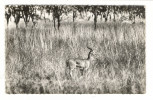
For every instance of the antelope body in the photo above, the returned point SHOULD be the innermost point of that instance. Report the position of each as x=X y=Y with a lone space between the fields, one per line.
x=82 y=64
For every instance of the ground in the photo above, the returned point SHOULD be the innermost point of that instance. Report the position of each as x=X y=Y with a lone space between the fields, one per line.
x=36 y=58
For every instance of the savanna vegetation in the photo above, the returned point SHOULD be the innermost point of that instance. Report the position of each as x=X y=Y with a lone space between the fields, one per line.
x=36 y=58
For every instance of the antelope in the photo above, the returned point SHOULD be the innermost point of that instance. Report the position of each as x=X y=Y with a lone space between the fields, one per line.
x=82 y=64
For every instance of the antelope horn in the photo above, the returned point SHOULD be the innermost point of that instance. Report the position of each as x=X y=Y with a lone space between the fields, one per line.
x=89 y=48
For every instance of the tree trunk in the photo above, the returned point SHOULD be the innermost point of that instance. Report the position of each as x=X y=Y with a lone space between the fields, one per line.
x=73 y=16
x=54 y=22
x=134 y=19
x=95 y=21
x=114 y=17
x=130 y=16
x=58 y=20
x=105 y=19
x=81 y=15
x=101 y=18
x=74 y=26
x=7 y=20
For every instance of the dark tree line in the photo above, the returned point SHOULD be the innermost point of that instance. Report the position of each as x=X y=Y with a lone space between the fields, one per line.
x=28 y=12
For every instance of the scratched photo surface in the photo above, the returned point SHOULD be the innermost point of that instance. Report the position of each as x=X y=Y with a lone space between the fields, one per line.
x=75 y=49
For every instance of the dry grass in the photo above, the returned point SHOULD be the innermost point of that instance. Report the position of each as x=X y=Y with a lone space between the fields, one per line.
x=35 y=59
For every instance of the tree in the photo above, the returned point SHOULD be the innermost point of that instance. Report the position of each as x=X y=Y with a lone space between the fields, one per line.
x=102 y=12
x=25 y=14
x=98 y=10
x=57 y=12
x=74 y=11
x=29 y=11
x=17 y=14
x=7 y=13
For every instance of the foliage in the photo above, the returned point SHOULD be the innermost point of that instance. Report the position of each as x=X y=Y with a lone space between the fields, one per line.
x=97 y=10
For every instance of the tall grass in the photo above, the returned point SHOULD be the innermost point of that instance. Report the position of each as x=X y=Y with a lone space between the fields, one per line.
x=36 y=59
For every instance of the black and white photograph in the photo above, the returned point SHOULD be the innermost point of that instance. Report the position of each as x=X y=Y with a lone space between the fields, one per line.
x=75 y=49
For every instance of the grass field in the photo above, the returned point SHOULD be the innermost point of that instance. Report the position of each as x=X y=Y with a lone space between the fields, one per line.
x=36 y=59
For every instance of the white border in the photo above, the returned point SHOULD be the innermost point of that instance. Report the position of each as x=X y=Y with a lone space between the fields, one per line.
x=149 y=51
